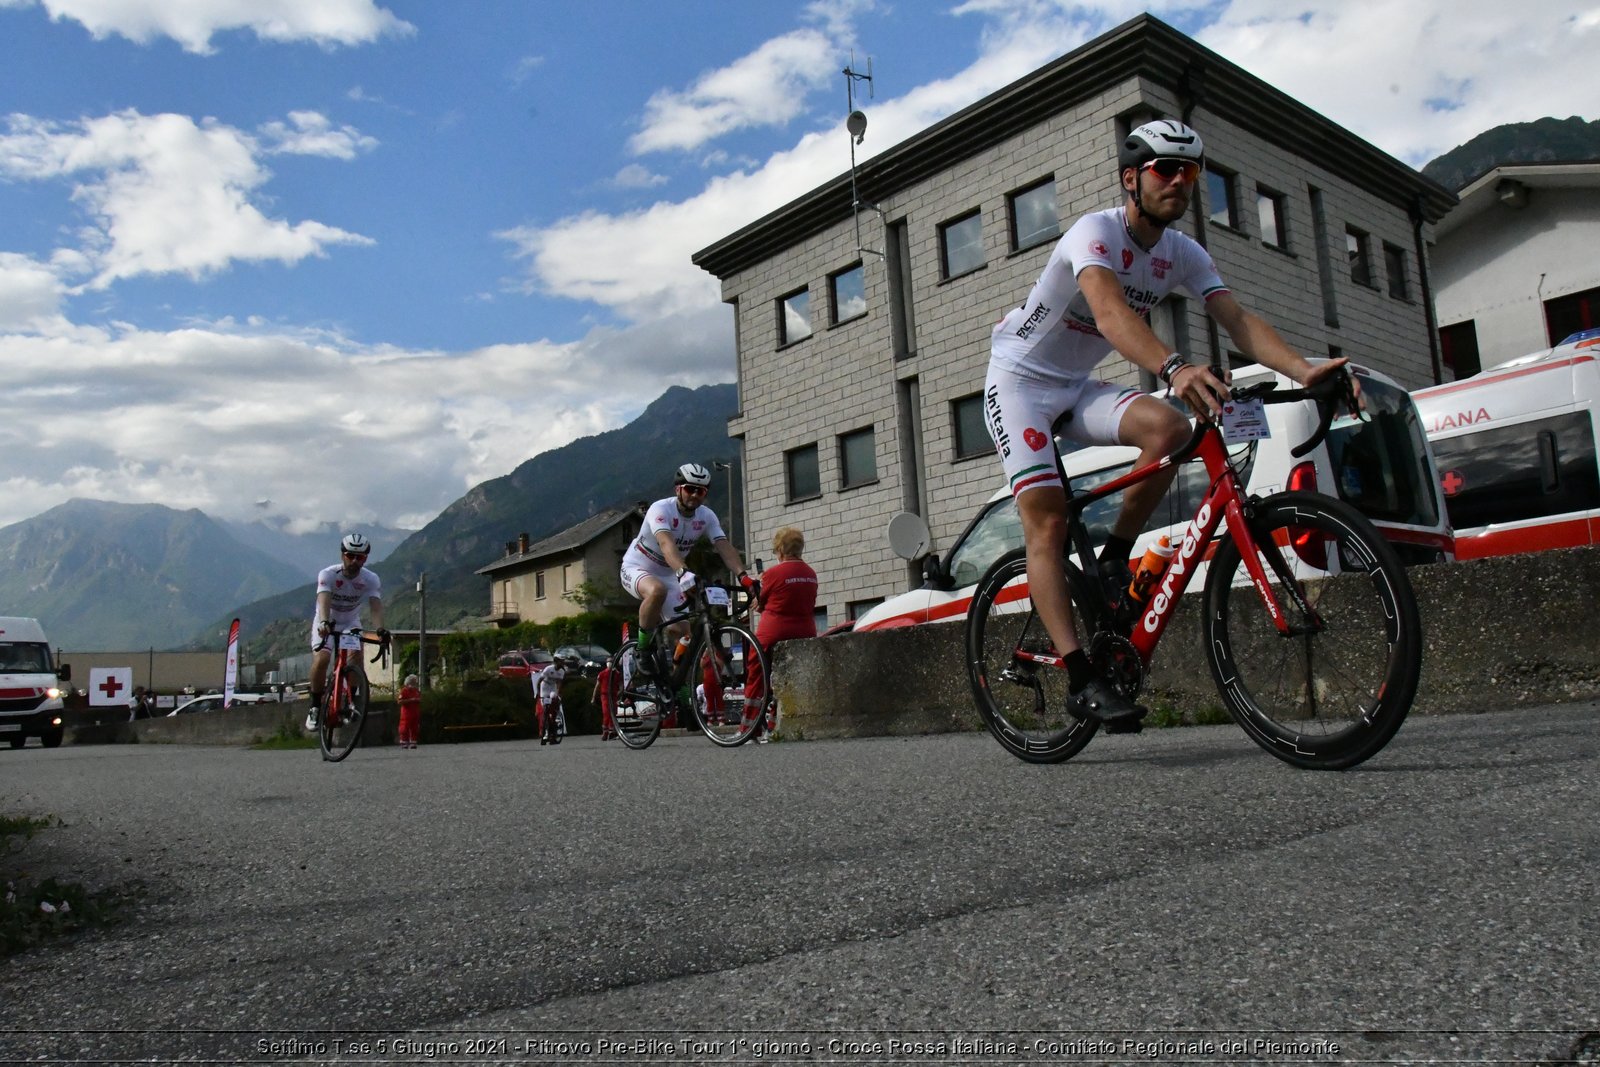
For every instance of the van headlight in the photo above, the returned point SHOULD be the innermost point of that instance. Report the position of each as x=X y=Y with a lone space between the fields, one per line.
x=53 y=693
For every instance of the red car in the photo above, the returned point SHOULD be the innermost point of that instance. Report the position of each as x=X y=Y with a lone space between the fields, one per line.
x=525 y=662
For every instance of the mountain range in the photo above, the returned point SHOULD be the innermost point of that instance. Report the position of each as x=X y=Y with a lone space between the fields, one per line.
x=1569 y=140
x=104 y=576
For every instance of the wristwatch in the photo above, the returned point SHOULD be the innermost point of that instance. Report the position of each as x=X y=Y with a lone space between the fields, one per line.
x=679 y=572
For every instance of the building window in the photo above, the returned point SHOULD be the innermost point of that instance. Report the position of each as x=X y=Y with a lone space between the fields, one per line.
x=794 y=317
x=1394 y=264
x=857 y=608
x=961 y=245
x=1458 y=348
x=858 y=458
x=1220 y=196
x=1034 y=219
x=538 y=586
x=1567 y=315
x=1270 y=211
x=848 y=290
x=803 y=475
x=972 y=436
x=1357 y=248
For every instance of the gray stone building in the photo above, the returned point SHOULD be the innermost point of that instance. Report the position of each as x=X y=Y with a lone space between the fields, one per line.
x=861 y=358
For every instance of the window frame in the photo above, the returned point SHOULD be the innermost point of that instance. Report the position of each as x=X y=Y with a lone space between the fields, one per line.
x=1014 y=197
x=945 y=274
x=789 y=457
x=1230 y=197
x=1396 y=278
x=956 y=437
x=784 y=340
x=871 y=433
x=1359 y=259
x=834 y=318
x=1279 y=239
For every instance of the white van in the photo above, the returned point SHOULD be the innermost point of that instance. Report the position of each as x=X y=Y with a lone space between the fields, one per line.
x=1516 y=451
x=1382 y=466
x=30 y=693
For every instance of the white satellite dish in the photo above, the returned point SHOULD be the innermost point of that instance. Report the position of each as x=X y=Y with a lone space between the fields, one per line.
x=857 y=125
x=908 y=535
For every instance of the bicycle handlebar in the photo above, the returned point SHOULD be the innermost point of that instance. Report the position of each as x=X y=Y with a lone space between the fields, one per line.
x=1330 y=394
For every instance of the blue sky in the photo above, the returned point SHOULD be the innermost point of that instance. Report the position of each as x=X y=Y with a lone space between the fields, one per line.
x=244 y=240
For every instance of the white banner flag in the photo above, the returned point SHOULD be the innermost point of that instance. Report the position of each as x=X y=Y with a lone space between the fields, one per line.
x=110 y=687
x=230 y=678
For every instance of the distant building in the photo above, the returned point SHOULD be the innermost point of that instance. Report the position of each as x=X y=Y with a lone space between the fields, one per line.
x=862 y=333
x=1515 y=266
x=530 y=583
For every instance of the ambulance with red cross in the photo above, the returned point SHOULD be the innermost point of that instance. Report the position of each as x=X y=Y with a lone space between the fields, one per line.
x=1515 y=446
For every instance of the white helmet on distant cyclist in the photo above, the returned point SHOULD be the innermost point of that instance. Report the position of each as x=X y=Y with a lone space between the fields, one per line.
x=693 y=474
x=356 y=545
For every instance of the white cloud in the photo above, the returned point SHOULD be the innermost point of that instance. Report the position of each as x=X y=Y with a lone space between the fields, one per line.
x=169 y=196
x=308 y=133
x=633 y=176
x=219 y=417
x=192 y=23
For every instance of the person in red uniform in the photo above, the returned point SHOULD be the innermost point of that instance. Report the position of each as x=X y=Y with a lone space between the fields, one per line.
x=410 y=711
x=602 y=696
x=788 y=602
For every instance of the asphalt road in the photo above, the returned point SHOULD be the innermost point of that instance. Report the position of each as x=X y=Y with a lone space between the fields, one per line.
x=1175 y=897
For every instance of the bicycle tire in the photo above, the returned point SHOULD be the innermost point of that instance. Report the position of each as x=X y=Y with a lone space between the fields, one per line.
x=635 y=705
x=1328 y=699
x=1024 y=705
x=728 y=660
x=345 y=717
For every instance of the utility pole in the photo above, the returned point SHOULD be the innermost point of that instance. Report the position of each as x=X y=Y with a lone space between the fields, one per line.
x=422 y=630
x=733 y=511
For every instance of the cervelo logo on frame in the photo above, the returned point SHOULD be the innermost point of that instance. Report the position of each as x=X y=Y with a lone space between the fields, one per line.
x=1180 y=563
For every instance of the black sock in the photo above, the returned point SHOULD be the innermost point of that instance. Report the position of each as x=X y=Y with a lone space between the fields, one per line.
x=1080 y=672
x=1117 y=548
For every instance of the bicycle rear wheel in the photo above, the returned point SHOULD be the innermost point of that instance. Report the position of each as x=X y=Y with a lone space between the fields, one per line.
x=635 y=703
x=1022 y=701
x=1332 y=692
x=723 y=669
x=345 y=716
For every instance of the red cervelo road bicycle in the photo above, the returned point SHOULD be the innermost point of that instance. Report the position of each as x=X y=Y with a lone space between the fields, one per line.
x=1310 y=624
x=342 y=720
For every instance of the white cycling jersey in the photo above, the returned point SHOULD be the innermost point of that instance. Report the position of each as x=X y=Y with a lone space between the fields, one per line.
x=347 y=596
x=644 y=552
x=1053 y=336
x=547 y=683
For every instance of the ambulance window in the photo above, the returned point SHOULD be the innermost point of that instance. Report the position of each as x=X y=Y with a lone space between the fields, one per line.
x=1528 y=471
x=997 y=531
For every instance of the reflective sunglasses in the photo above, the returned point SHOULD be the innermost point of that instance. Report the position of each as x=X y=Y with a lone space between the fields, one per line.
x=1184 y=170
x=362 y=556
x=697 y=490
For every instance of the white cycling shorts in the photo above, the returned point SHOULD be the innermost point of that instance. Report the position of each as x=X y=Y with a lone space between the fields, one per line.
x=337 y=624
x=1018 y=411
x=632 y=572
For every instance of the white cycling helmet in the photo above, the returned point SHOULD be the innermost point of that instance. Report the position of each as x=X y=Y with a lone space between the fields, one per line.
x=356 y=545
x=693 y=474
x=1162 y=138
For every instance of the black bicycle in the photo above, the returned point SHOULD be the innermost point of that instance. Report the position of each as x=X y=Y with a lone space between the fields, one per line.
x=717 y=662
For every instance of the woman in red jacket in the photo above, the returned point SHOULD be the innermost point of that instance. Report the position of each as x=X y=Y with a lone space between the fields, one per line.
x=788 y=602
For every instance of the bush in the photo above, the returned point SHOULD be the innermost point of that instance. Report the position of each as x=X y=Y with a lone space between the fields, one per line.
x=477 y=651
x=487 y=701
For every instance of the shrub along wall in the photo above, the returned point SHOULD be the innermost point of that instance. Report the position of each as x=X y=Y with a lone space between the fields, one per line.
x=477 y=651
x=488 y=701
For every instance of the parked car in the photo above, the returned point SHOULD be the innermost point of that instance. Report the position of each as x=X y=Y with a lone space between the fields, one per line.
x=209 y=702
x=523 y=662
x=1383 y=466
x=590 y=657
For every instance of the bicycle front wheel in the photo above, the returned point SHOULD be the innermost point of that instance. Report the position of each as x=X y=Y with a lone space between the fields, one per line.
x=344 y=717
x=635 y=703
x=723 y=669
x=1335 y=688
x=1022 y=700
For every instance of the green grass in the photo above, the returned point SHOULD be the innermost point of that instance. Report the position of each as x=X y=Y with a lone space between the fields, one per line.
x=289 y=736
x=31 y=913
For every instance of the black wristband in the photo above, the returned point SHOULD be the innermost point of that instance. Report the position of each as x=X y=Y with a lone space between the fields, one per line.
x=1172 y=366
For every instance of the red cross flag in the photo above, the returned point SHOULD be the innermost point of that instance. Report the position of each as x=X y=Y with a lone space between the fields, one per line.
x=110 y=687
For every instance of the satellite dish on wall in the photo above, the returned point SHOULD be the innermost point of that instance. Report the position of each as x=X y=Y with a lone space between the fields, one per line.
x=857 y=125
x=908 y=535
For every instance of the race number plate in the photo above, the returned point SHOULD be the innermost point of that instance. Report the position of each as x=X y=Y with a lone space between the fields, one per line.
x=350 y=642
x=717 y=596
x=1244 y=420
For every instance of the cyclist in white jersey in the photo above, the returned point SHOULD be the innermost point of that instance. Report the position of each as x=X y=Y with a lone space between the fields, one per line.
x=655 y=564
x=342 y=589
x=1093 y=298
x=547 y=701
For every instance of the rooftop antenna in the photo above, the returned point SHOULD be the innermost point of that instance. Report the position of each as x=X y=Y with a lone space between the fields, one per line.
x=856 y=125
